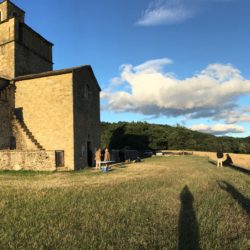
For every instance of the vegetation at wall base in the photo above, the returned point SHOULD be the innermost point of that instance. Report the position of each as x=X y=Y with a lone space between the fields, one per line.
x=143 y=136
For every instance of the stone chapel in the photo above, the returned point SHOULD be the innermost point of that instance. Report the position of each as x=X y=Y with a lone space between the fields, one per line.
x=48 y=119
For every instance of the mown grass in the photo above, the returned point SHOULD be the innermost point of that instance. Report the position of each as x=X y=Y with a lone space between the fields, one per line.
x=177 y=202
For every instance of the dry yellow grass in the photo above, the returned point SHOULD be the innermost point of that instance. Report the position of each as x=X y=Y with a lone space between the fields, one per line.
x=154 y=204
x=92 y=178
x=242 y=160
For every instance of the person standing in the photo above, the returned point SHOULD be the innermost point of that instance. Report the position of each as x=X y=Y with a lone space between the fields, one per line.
x=107 y=155
x=98 y=158
x=219 y=158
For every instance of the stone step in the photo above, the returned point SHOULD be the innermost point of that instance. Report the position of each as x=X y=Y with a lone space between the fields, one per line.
x=29 y=133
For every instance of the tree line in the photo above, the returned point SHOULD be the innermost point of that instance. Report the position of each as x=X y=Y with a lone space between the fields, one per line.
x=145 y=136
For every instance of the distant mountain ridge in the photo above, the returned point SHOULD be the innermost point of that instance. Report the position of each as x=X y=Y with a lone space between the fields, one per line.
x=144 y=136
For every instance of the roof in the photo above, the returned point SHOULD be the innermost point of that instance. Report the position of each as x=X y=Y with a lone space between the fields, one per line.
x=57 y=72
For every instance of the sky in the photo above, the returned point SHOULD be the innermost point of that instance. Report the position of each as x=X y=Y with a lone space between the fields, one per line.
x=172 y=62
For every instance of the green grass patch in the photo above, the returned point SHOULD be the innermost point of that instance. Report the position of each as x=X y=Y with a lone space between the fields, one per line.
x=176 y=202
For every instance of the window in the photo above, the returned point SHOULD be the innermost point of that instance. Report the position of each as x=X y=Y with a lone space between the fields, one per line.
x=12 y=143
x=87 y=91
x=14 y=14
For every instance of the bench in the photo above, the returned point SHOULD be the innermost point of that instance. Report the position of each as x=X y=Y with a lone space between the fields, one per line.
x=104 y=165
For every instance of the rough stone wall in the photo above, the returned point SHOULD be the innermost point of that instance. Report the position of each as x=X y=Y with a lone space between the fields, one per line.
x=3 y=10
x=22 y=50
x=6 y=111
x=33 y=54
x=13 y=10
x=8 y=10
x=5 y=125
x=7 y=48
x=35 y=42
x=7 y=31
x=86 y=115
x=47 y=104
x=23 y=142
x=27 y=160
x=27 y=62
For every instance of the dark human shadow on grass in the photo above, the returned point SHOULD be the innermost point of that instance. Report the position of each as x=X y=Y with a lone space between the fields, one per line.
x=240 y=198
x=232 y=166
x=240 y=169
x=188 y=225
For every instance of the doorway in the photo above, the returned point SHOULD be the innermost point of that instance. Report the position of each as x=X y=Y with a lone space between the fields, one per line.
x=59 y=158
x=89 y=154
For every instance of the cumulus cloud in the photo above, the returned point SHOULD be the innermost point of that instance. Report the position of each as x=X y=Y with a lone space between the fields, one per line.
x=218 y=129
x=151 y=90
x=165 y=12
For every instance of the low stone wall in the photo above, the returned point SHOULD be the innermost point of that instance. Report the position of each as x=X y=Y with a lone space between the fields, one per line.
x=27 y=160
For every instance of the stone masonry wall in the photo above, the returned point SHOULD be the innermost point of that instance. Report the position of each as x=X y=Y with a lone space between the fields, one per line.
x=7 y=31
x=3 y=10
x=48 y=112
x=33 y=54
x=5 y=125
x=7 y=48
x=22 y=50
x=86 y=115
x=23 y=142
x=27 y=160
x=13 y=10
x=28 y=62
x=8 y=10
x=35 y=42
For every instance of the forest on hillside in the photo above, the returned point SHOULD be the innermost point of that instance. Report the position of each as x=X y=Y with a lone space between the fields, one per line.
x=144 y=136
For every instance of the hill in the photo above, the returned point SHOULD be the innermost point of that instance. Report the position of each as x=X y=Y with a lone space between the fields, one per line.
x=144 y=136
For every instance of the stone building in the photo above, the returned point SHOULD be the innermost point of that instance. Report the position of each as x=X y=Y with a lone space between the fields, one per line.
x=48 y=119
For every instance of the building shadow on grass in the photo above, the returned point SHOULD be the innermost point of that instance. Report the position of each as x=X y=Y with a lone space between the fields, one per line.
x=243 y=201
x=188 y=225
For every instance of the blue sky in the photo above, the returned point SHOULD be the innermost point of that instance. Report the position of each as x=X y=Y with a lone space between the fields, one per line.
x=160 y=61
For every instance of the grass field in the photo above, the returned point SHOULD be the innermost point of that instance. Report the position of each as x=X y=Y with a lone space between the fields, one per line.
x=242 y=160
x=176 y=202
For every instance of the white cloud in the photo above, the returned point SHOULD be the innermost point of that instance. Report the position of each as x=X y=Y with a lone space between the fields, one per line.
x=153 y=65
x=218 y=129
x=234 y=116
x=149 y=90
x=161 y=12
x=165 y=12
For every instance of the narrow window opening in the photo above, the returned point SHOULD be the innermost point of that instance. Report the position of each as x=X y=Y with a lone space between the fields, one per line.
x=12 y=143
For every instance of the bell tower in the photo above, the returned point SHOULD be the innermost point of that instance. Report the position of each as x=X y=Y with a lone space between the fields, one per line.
x=22 y=50
x=9 y=10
